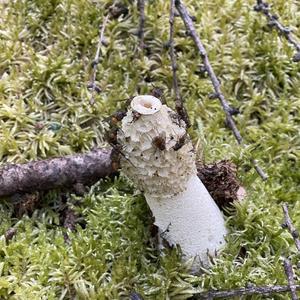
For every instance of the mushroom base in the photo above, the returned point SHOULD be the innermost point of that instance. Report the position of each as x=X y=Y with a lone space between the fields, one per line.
x=191 y=220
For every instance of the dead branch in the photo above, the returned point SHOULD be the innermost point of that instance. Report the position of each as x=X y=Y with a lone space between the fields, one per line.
x=273 y=22
x=288 y=268
x=92 y=85
x=289 y=225
x=215 y=81
x=255 y=290
x=178 y=99
x=141 y=30
x=53 y=173
x=259 y=170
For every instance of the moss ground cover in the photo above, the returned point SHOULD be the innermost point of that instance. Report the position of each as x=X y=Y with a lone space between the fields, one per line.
x=46 y=48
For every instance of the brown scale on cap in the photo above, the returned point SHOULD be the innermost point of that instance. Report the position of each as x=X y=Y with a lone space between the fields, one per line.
x=160 y=142
x=135 y=116
x=180 y=142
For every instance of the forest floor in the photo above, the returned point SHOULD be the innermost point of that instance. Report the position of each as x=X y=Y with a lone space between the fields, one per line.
x=46 y=50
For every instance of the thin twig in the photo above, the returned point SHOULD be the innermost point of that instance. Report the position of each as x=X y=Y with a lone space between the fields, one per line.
x=141 y=30
x=264 y=7
x=92 y=85
x=215 y=81
x=259 y=170
x=289 y=225
x=288 y=268
x=255 y=290
x=178 y=99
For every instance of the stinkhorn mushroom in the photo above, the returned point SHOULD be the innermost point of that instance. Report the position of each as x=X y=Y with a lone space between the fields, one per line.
x=158 y=156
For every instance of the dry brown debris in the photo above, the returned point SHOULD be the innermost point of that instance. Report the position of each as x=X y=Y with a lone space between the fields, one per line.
x=10 y=233
x=221 y=181
x=25 y=204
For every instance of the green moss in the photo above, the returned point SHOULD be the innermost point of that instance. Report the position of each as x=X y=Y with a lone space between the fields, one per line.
x=46 y=48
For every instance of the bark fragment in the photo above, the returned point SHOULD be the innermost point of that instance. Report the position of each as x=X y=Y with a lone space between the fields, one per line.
x=53 y=173
x=10 y=233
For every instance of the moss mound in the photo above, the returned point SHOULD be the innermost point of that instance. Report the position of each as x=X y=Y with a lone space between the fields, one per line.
x=46 y=49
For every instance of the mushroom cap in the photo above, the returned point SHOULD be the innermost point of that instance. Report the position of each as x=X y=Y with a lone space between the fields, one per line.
x=146 y=104
x=159 y=156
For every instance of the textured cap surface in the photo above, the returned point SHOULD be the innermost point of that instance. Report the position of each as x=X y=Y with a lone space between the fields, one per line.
x=159 y=154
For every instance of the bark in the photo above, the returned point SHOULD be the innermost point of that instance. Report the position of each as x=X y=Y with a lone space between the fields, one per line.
x=141 y=30
x=53 y=173
x=273 y=21
x=180 y=108
x=92 y=85
x=289 y=225
x=288 y=268
x=255 y=290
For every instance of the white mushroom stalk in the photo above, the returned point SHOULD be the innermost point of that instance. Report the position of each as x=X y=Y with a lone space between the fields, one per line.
x=160 y=160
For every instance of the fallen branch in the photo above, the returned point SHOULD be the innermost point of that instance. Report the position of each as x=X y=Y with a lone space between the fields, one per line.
x=215 y=82
x=141 y=30
x=289 y=225
x=288 y=268
x=178 y=99
x=264 y=7
x=48 y=174
x=255 y=290
x=92 y=85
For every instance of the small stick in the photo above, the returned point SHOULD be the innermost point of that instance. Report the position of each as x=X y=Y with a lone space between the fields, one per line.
x=92 y=85
x=259 y=170
x=288 y=268
x=178 y=99
x=289 y=225
x=215 y=81
x=255 y=290
x=141 y=30
x=62 y=172
x=263 y=7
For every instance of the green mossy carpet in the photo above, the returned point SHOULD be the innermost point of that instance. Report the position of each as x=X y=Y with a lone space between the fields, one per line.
x=46 y=50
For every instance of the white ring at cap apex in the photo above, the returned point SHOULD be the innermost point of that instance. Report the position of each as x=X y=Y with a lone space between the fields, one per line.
x=146 y=104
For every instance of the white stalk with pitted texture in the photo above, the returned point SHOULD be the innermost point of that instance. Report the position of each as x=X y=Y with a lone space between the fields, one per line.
x=160 y=160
